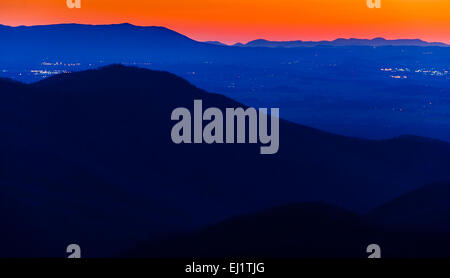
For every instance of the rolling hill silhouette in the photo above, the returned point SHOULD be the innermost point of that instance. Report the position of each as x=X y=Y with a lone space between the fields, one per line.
x=414 y=225
x=87 y=158
x=216 y=43
x=341 y=42
x=91 y=43
x=306 y=230
x=425 y=208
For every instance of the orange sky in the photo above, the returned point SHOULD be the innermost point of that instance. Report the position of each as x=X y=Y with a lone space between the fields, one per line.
x=243 y=20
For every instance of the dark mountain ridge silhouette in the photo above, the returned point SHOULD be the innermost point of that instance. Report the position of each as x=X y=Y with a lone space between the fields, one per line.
x=307 y=230
x=341 y=42
x=87 y=158
x=414 y=225
x=78 y=42
x=425 y=208
x=126 y=43
x=216 y=43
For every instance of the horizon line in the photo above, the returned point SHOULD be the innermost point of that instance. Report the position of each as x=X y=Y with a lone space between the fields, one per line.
x=228 y=44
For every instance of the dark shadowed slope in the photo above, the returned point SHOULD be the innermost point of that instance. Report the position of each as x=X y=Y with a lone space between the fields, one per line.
x=425 y=208
x=415 y=225
x=87 y=157
x=307 y=230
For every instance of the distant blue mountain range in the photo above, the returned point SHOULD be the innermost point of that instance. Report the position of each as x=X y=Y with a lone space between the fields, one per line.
x=341 y=42
x=128 y=43
x=91 y=43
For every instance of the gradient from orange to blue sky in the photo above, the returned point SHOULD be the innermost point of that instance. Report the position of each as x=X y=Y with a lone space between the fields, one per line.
x=231 y=21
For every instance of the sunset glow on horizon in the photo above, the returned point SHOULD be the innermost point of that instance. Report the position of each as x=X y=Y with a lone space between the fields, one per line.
x=233 y=21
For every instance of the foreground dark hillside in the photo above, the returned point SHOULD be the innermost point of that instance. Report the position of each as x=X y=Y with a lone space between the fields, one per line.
x=87 y=158
x=318 y=230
